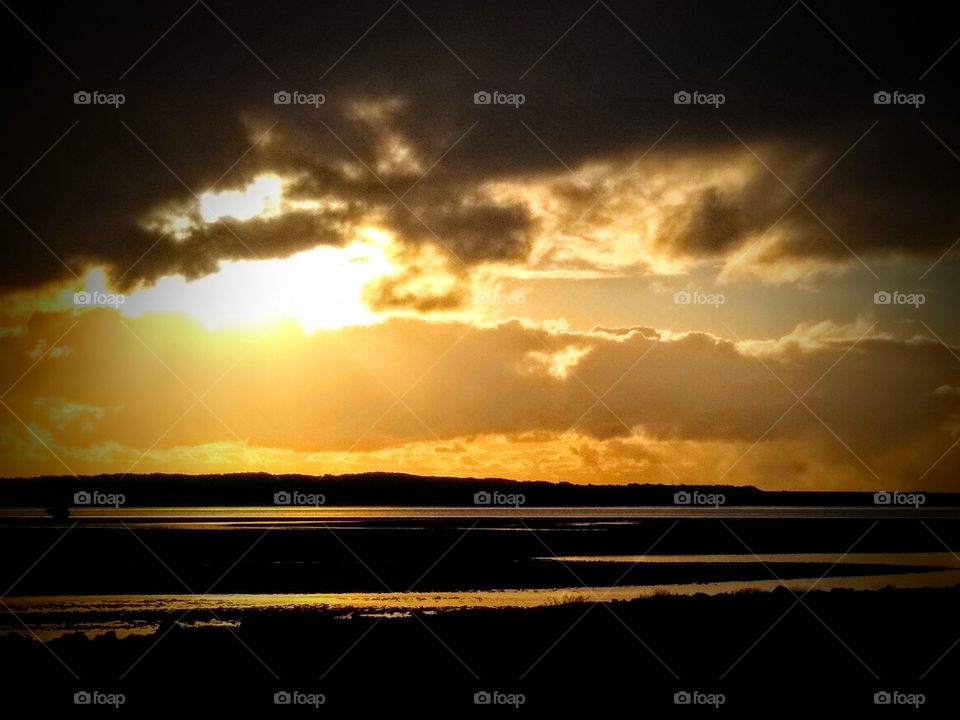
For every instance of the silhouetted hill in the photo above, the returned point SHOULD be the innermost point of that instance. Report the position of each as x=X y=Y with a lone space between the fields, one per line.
x=388 y=489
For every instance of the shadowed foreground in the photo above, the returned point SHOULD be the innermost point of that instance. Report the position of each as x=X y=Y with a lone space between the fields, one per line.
x=633 y=655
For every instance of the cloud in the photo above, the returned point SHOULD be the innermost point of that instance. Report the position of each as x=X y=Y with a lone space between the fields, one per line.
x=800 y=101
x=598 y=175
x=427 y=281
x=633 y=395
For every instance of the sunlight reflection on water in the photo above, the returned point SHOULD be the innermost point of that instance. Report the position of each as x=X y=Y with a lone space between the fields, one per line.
x=400 y=603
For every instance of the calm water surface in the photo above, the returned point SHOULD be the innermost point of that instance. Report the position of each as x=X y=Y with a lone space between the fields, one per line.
x=49 y=617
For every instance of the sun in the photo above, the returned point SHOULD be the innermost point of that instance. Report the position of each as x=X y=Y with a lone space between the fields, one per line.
x=320 y=288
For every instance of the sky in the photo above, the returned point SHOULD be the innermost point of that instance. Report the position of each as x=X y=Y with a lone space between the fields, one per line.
x=705 y=243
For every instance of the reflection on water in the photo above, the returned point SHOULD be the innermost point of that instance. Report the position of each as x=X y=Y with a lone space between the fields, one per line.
x=271 y=514
x=49 y=617
x=45 y=632
x=924 y=559
x=451 y=600
x=144 y=612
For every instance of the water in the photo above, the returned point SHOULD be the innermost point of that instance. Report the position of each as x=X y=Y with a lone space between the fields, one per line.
x=92 y=615
x=271 y=513
x=50 y=616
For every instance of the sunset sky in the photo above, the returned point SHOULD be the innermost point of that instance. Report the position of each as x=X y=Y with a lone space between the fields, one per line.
x=402 y=279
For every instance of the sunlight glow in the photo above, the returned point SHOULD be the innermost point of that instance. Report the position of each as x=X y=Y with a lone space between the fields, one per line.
x=559 y=363
x=320 y=288
x=261 y=198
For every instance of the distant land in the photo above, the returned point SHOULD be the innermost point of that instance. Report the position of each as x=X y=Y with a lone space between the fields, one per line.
x=399 y=489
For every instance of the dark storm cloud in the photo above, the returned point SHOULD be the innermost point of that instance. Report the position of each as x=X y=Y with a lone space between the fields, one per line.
x=708 y=225
x=395 y=293
x=197 y=102
x=229 y=240
x=468 y=227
